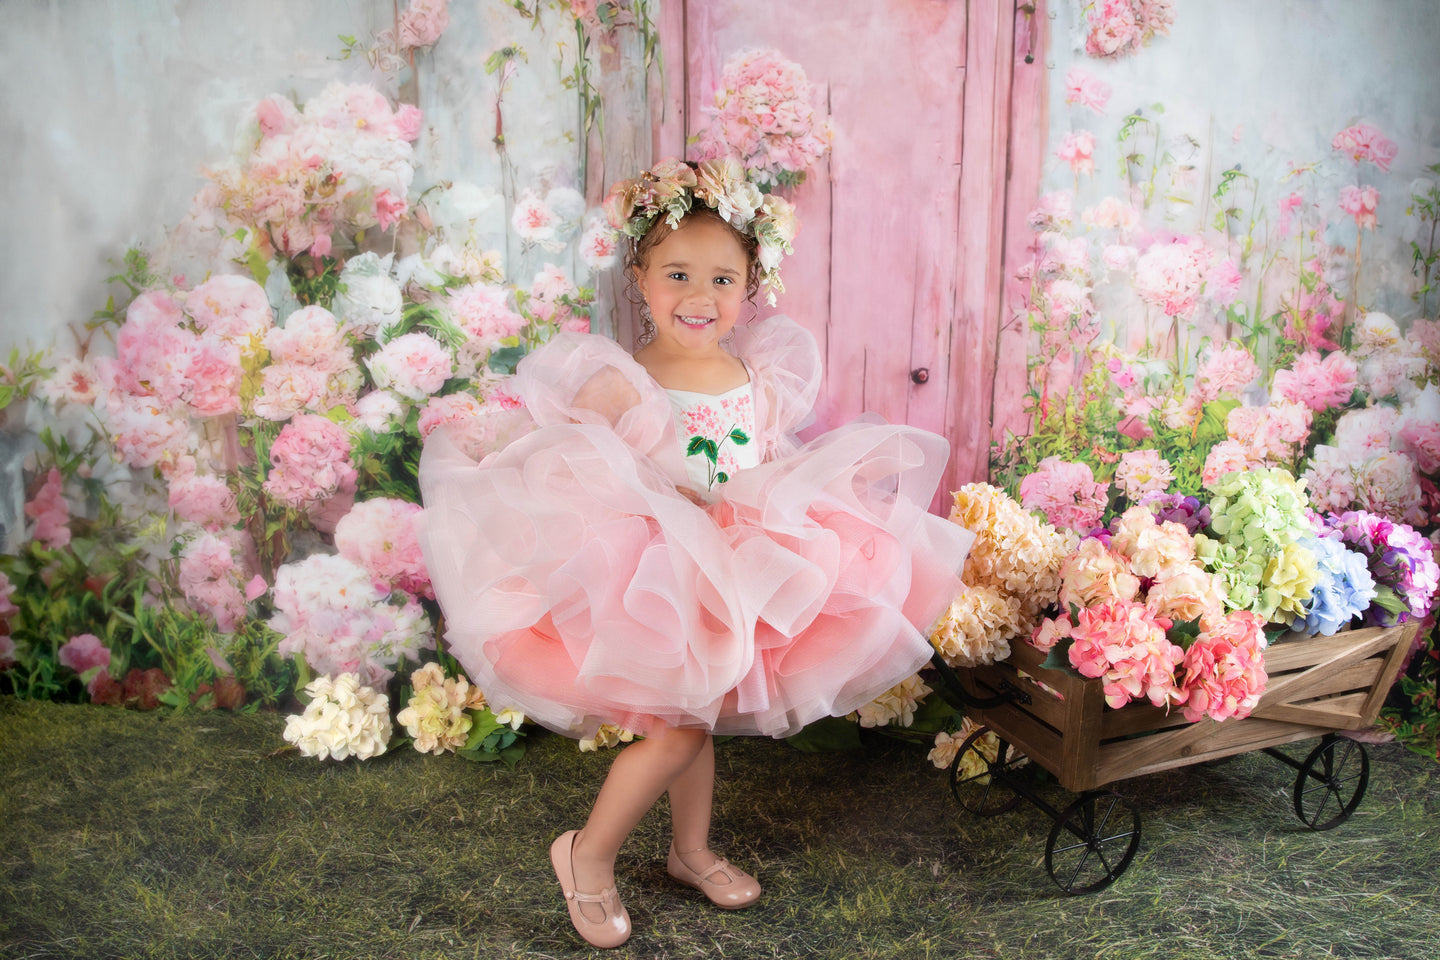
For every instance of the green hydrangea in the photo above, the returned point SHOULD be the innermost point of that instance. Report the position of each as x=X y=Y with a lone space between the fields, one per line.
x=1259 y=510
x=1238 y=569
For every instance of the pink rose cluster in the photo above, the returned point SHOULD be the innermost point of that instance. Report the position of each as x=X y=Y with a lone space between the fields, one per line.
x=1172 y=275
x=332 y=613
x=310 y=462
x=312 y=367
x=343 y=163
x=1115 y=28
x=1066 y=492
x=423 y=22
x=382 y=536
x=764 y=118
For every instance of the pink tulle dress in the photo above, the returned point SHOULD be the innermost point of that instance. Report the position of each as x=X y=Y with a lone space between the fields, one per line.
x=579 y=586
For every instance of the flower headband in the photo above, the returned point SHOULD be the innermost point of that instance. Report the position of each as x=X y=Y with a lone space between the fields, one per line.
x=673 y=186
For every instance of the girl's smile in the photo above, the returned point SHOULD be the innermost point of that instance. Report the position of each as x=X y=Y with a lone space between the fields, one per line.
x=694 y=283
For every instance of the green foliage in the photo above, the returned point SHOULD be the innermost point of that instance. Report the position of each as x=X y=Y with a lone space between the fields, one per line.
x=491 y=740
x=1425 y=251
x=315 y=280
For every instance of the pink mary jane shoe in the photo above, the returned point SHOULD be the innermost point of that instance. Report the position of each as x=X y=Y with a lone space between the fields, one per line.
x=613 y=928
x=723 y=884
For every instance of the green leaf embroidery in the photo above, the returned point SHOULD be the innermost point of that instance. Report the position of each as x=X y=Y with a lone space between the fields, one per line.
x=739 y=436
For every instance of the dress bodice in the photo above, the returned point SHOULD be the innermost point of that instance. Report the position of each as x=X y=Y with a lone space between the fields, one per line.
x=716 y=433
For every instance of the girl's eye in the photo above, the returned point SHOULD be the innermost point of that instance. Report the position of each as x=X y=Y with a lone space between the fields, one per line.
x=724 y=280
x=677 y=275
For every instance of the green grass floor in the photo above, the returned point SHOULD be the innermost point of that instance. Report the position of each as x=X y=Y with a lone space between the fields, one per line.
x=125 y=834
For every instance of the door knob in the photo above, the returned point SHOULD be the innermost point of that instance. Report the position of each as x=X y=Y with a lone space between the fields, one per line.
x=920 y=375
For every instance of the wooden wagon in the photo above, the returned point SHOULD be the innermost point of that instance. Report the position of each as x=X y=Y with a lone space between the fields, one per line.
x=1317 y=686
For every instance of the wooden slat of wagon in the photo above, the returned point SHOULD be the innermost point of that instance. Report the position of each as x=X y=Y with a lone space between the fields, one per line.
x=1331 y=713
x=1206 y=740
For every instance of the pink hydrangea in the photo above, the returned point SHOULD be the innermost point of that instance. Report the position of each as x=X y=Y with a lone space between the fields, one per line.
x=1319 y=384
x=413 y=365
x=1330 y=480
x=1142 y=471
x=1085 y=89
x=382 y=535
x=203 y=499
x=1185 y=591
x=232 y=308
x=1170 y=275
x=1227 y=370
x=1227 y=456
x=310 y=461
x=50 y=512
x=310 y=336
x=1361 y=203
x=1078 y=150
x=1125 y=646
x=1361 y=141
x=1389 y=486
x=1224 y=669
x=84 y=652
x=1050 y=632
x=1093 y=573
x=143 y=434
x=1066 y=492
x=1366 y=432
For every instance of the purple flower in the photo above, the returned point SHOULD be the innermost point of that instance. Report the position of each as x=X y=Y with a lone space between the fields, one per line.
x=1399 y=559
x=1175 y=508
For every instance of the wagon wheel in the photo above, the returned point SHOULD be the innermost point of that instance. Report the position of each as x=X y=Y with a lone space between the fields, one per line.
x=1331 y=782
x=980 y=780
x=1092 y=842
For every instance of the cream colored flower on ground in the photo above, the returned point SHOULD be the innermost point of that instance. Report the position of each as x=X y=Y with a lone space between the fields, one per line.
x=896 y=704
x=607 y=736
x=437 y=716
x=344 y=718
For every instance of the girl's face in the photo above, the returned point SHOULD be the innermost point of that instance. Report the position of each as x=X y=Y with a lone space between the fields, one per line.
x=694 y=281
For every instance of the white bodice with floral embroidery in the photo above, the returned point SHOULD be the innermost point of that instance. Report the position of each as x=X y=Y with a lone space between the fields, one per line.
x=727 y=421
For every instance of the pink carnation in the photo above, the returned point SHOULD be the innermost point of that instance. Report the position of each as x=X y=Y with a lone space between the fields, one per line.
x=1224 y=669
x=50 y=512
x=382 y=535
x=1125 y=646
x=288 y=387
x=144 y=435
x=1078 y=150
x=84 y=652
x=1086 y=90
x=312 y=336
x=1066 y=492
x=1364 y=142
x=1361 y=203
x=310 y=461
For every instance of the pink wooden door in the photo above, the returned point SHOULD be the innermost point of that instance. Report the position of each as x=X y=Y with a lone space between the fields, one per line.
x=898 y=266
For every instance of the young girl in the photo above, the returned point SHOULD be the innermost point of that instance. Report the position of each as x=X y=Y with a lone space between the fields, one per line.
x=659 y=553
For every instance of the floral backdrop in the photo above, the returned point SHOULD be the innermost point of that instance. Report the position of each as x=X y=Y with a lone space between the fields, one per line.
x=1230 y=430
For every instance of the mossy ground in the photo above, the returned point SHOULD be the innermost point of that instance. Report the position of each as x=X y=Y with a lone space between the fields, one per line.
x=125 y=834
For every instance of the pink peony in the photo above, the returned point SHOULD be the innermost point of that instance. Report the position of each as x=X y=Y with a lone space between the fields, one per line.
x=1389 y=486
x=232 y=308
x=1228 y=370
x=1330 y=480
x=414 y=365
x=1169 y=275
x=1319 y=384
x=212 y=379
x=447 y=409
x=312 y=336
x=1366 y=432
x=1364 y=142
x=84 y=652
x=310 y=461
x=1066 y=492
x=382 y=535
x=202 y=499
x=75 y=381
x=1361 y=203
x=50 y=512
x=1224 y=669
x=288 y=387
x=210 y=580
x=1078 y=150
x=1142 y=471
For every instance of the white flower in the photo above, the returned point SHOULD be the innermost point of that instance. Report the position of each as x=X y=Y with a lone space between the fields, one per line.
x=896 y=704
x=369 y=299
x=343 y=719
x=607 y=736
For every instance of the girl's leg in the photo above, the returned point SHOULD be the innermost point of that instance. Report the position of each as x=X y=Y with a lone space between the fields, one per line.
x=640 y=774
x=692 y=797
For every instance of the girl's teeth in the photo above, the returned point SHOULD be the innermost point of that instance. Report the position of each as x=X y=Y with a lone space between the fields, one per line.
x=695 y=321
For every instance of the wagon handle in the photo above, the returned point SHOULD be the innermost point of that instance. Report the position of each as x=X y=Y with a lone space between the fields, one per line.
x=954 y=691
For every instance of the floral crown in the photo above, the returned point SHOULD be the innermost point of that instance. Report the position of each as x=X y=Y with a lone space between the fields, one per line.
x=672 y=188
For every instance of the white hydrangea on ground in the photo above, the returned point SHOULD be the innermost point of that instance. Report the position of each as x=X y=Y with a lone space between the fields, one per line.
x=344 y=718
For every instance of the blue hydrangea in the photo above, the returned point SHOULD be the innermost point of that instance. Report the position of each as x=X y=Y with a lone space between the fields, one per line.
x=1344 y=591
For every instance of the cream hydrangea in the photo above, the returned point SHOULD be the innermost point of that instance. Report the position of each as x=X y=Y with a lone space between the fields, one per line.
x=978 y=627
x=974 y=763
x=894 y=706
x=438 y=715
x=344 y=718
x=609 y=735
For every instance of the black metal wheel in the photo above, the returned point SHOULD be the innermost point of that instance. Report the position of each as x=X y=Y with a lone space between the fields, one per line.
x=1331 y=782
x=1092 y=842
x=979 y=775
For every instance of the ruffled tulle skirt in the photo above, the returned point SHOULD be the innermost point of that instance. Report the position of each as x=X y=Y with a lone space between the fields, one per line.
x=579 y=587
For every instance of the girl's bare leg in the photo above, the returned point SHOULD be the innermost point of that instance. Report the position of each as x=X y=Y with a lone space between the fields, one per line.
x=640 y=774
x=692 y=797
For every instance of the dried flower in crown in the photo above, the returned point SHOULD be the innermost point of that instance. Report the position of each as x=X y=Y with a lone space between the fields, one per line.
x=672 y=187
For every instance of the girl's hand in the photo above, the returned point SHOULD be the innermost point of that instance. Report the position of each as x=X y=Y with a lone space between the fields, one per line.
x=691 y=494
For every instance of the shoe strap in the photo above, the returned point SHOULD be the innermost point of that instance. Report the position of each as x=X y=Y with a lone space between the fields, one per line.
x=603 y=897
